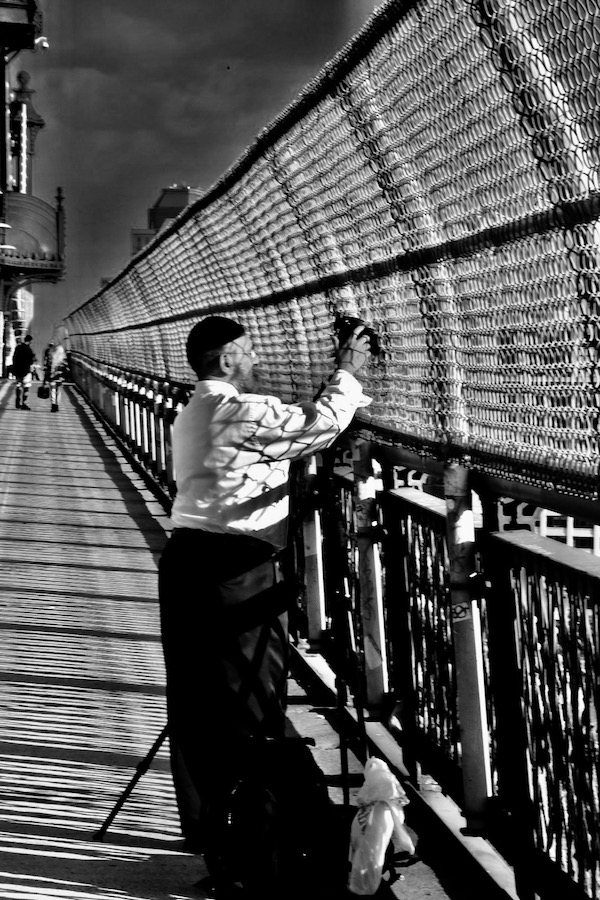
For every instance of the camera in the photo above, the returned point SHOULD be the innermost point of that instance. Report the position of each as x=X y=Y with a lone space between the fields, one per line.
x=345 y=325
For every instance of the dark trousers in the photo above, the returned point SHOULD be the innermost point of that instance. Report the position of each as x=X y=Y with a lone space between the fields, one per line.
x=223 y=612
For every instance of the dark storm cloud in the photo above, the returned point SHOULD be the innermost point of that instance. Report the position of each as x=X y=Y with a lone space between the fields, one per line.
x=140 y=94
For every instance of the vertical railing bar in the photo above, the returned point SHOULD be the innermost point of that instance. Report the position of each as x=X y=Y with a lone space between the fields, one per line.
x=313 y=561
x=466 y=630
x=506 y=684
x=368 y=534
x=397 y=603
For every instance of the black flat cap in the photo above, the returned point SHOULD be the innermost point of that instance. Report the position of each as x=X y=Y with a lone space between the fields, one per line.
x=210 y=333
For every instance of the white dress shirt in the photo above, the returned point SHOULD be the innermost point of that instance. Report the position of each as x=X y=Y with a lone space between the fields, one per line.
x=232 y=454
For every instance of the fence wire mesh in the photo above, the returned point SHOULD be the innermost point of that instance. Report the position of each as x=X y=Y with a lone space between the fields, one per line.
x=439 y=179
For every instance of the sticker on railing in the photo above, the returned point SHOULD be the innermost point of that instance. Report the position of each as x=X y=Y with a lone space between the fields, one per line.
x=461 y=612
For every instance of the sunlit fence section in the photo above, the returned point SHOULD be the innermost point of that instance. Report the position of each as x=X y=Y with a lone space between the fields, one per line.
x=439 y=180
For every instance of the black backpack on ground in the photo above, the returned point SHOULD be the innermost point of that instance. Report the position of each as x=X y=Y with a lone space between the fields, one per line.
x=274 y=833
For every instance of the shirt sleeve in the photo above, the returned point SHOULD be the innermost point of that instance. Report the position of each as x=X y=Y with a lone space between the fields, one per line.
x=292 y=431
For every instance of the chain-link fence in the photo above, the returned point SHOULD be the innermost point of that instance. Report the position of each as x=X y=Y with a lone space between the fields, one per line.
x=440 y=180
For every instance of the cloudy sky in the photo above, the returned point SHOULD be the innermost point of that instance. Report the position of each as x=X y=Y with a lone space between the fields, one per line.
x=141 y=94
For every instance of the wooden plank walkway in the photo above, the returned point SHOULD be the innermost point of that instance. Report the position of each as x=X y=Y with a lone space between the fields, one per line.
x=81 y=669
x=82 y=677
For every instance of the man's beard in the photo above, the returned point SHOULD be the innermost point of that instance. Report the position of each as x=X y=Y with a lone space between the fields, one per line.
x=247 y=382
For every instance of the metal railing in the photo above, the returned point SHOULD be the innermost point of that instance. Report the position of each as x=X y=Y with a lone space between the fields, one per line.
x=483 y=640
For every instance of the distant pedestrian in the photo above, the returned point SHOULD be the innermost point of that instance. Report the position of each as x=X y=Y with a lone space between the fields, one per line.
x=22 y=366
x=55 y=364
x=47 y=353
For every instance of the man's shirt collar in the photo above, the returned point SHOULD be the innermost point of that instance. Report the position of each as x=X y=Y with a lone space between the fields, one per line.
x=215 y=386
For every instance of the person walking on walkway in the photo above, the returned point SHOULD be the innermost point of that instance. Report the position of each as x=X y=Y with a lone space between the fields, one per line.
x=223 y=602
x=22 y=367
x=54 y=372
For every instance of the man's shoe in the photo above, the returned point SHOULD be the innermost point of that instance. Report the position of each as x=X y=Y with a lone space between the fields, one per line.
x=17 y=405
x=54 y=407
x=24 y=406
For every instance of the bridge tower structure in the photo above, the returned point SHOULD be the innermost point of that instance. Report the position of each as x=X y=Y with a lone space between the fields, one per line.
x=31 y=229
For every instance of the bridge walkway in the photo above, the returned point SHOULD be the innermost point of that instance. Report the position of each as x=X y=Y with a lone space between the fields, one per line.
x=82 y=678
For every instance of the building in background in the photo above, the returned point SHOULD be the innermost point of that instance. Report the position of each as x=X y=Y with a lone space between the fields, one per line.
x=31 y=230
x=171 y=202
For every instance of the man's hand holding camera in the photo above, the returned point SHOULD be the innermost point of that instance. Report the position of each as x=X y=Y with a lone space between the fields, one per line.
x=355 y=351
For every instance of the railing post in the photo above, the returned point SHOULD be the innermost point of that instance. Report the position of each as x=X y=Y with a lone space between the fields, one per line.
x=369 y=576
x=125 y=416
x=169 y=419
x=313 y=563
x=161 y=427
x=143 y=420
x=506 y=676
x=130 y=412
x=117 y=401
x=137 y=402
x=151 y=424
x=466 y=632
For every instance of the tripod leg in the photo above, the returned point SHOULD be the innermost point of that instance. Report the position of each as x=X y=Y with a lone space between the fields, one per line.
x=141 y=769
x=354 y=665
x=345 y=773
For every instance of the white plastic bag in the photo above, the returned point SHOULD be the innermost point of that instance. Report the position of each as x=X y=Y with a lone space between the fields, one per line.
x=380 y=815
